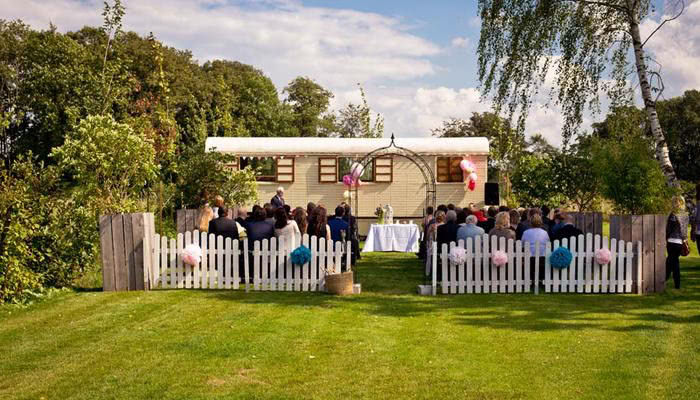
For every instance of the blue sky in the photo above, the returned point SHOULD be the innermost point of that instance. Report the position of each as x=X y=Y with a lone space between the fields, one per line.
x=415 y=59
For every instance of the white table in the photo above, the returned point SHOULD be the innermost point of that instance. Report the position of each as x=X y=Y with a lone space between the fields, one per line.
x=392 y=237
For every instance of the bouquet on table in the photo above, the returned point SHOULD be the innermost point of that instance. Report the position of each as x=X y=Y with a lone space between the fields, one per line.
x=379 y=212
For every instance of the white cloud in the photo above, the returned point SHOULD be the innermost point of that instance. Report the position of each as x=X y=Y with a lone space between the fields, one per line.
x=460 y=42
x=676 y=46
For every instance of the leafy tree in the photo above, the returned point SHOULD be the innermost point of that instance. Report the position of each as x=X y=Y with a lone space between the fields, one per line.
x=109 y=163
x=630 y=177
x=680 y=117
x=577 y=180
x=309 y=101
x=538 y=145
x=203 y=175
x=355 y=121
x=586 y=43
x=534 y=182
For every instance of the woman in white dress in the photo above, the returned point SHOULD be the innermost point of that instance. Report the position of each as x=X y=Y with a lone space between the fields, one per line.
x=286 y=229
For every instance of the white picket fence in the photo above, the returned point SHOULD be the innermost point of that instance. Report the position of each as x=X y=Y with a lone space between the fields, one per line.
x=272 y=268
x=583 y=275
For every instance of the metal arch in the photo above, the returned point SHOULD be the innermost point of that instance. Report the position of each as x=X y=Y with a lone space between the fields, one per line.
x=393 y=150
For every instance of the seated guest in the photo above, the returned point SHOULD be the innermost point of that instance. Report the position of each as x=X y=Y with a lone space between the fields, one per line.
x=250 y=218
x=461 y=217
x=218 y=203
x=277 y=200
x=299 y=216
x=288 y=210
x=259 y=228
x=525 y=224
x=269 y=213
x=442 y=208
x=224 y=226
x=558 y=222
x=502 y=227
x=429 y=218
x=206 y=214
x=514 y=219
x=447 y=232
x=450 y=207
x=286 y=230
x=567 y=230
x=242 y=215
x=338 y=225
x=310 y=207
x=503 y=208
x=535 y=235
x=547 y=223
x=469 y=229
x=319 y=224
x=490 y=219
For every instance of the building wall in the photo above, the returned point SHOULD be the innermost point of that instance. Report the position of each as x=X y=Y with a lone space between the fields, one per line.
x=406 y=194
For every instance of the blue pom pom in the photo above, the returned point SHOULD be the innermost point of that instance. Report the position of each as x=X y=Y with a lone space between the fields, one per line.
x=301 y=255
x=561 y=258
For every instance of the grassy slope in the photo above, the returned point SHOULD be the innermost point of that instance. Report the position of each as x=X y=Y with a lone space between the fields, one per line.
x=385 y=343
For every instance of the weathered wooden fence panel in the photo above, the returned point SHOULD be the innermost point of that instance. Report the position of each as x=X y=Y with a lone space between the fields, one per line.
x=649 y=270
x=228 y=264
x=126 y=245
x=589 y=222
x=522 y=272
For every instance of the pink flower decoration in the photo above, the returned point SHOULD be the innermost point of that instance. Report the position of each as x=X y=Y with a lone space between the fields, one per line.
x=458 y=255
x=467 y=166
x=602 y=256
x=347 y=180
x=499 y=258
x=192 y=254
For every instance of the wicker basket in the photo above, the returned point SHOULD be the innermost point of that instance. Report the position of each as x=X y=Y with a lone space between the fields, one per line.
x=340 y=284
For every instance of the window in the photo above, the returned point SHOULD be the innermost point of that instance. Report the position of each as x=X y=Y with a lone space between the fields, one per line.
x=448 y=169
x=344 y=164
x=266 y=167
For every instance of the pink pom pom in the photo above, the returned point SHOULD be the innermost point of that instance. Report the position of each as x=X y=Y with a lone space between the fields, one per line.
x=499 y=258
x=347 y=180
x=458 y=255
x=192 y=254
x=602 y=256
x=467 y=166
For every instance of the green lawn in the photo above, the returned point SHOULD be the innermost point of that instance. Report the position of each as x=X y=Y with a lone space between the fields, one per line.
x=386 y=343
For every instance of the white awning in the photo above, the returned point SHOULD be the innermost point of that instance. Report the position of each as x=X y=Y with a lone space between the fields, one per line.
x=300 y=146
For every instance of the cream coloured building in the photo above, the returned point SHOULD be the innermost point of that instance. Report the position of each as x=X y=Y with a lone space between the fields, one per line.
x=311 y=169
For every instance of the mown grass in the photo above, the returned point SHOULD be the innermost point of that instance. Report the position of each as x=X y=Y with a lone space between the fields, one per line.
x=386 y=343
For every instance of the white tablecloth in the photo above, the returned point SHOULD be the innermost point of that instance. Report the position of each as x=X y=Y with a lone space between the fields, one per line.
x=395 y=237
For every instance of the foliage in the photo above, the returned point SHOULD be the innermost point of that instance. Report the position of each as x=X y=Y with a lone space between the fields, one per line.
x=578 y=181
x=630 y=177
x=109 y=163
x=309 y=101
x=534 y=182
x=355 y=121
x=203 y=175
x=680 y=117
x=45 y=239
x=582 y=47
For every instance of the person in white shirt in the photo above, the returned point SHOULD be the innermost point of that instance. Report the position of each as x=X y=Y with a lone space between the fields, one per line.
x=286 y=229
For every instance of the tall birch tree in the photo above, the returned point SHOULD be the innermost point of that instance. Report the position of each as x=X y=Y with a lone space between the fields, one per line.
x=592 y=48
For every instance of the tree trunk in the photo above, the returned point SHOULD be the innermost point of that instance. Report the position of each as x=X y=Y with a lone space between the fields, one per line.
x=650 y=105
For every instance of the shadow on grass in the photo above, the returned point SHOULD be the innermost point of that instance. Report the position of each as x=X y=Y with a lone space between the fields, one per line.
x=389 y=281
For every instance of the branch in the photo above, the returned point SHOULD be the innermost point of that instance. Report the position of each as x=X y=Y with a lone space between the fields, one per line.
x=598 y=3
x=664 y=21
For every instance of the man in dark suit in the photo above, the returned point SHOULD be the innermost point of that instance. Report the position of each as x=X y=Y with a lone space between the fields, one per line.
x=278 y=200
x=447 y=232
x=259 y=229
x=224 y=226
x=568 y=230
x=337 y=225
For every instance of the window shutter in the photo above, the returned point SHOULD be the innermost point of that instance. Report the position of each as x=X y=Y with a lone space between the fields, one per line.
x=384 y=169
x=455 y=170
x=443 y=169
x=327 y=169
x=285 y=169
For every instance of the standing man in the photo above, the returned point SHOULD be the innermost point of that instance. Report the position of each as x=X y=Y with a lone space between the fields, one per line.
x=278 y=200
